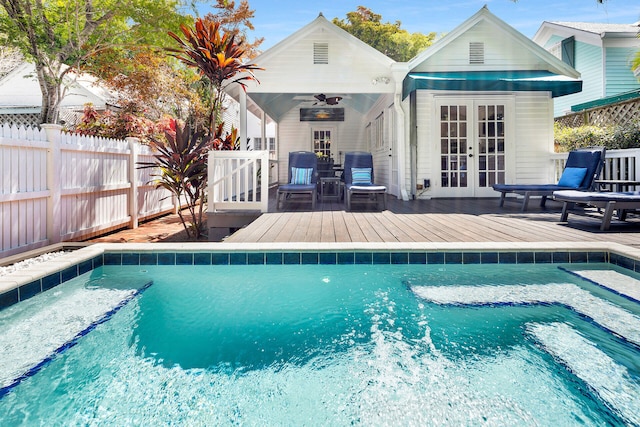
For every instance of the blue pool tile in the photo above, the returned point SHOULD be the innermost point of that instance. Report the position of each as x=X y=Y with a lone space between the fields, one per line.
x=597 y=256
x=166 y=258
x=69 y=273
x=149 y=258
x=129 y=258
x=220 y=258
x=560 y=257
x=435 y=258
x=578 y=257
x=489 y=257
x=623 y=261
x=98 y=261
x=381 y=258
x=238 y=258
x=8 y=298
x=417 y=258
x=526 y=257
x=184 y=258
x=543 y=257
x=309 y=258
x=85 y=266
x=471 y=258
x=202 y=258
x=255 y=258
x=363 y=258
x=507 y=257
x=273 y=258
x=50 y=281
x=30 y=289
x=453 y=258
x=112 y=259
x=291 y=258
x=399 y=257
x=346 y=258
x=328 y=258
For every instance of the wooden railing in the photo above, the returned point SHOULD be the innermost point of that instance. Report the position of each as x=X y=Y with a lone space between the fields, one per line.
x=618 y=164
x=238 y=181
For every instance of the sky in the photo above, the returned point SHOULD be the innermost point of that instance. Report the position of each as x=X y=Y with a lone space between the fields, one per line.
x=277 y=19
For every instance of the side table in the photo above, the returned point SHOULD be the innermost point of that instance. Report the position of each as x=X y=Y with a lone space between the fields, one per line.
x=330 y=188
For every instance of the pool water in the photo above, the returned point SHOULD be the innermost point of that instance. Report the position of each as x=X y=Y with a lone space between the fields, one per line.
x=330 y=345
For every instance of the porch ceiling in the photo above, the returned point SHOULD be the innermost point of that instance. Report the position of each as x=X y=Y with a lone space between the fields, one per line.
x=276 y=105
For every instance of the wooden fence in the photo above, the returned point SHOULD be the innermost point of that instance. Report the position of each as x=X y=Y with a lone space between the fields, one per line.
x=57 y=187
x=618 y=113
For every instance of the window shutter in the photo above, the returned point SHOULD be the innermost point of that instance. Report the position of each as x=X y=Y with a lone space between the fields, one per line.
x=568 y=51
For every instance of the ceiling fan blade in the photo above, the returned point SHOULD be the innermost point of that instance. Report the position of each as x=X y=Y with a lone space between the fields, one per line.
x=334 y=100
x=320 y=97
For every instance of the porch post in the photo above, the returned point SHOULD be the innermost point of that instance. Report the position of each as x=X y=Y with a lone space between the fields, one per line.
x=398 y=76
x=243 y=120
x=54 y=220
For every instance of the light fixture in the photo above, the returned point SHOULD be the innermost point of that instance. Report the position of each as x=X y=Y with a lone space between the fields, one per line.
x=381 y=79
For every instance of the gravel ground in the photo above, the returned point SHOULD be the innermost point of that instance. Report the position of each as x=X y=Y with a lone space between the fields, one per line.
x=29 y=262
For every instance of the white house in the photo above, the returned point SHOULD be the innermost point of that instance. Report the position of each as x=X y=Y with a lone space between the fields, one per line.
x=475 y=108
x=602 y=53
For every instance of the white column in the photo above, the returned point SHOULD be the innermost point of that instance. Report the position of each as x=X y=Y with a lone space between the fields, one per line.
x=243 y=120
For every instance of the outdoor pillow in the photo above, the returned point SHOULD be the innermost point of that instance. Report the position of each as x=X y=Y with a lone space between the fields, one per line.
x=572 y=177
x=301 y=176
x=360 y=176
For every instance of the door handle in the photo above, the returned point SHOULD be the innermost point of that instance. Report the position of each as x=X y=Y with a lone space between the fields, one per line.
x=470 y=155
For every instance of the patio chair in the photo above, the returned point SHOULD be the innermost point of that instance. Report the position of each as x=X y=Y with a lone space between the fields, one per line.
x=359 y=178
x=302 y=177
x=582 y=168
x=610 y=201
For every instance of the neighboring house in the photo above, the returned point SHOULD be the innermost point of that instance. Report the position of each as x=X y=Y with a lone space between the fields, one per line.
x=475 y=108
x=602 y=53
x=21 y=98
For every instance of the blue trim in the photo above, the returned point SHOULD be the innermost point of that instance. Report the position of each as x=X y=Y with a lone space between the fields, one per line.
x=500 y=81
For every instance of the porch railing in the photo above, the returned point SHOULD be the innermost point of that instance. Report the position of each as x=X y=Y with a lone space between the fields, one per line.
x=238 y=181
x=618 y=164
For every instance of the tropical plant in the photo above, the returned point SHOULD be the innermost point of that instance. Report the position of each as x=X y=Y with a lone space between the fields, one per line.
x=217 y=57
x=182 y=163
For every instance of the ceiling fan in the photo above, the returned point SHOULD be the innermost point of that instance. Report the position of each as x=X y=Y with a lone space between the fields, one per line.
x=328 y=100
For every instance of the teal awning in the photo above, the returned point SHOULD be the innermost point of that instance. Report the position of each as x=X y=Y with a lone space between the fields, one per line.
x=501 y=81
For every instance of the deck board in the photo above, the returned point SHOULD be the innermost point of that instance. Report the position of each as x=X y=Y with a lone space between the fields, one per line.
x=436 y=220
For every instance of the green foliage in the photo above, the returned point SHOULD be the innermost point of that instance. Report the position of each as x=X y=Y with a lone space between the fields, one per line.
x=388 y=38
x=128 y=122
x=611 y=137
x=182 y=160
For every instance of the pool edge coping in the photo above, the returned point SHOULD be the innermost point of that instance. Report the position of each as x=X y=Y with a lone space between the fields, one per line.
x=17 y=279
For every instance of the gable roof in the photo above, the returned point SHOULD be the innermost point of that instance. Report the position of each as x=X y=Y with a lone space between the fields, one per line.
x=601 y=29
x=290 y=76
x=538 y=57
x=507 y=61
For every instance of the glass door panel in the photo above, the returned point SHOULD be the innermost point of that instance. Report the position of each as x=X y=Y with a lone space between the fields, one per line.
x=453 y=146
x=491 y=160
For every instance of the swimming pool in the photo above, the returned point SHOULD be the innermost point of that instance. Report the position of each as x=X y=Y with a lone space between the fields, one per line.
x=329 y=338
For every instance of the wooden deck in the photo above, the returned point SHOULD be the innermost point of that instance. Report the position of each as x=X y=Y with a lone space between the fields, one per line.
x=437 y=220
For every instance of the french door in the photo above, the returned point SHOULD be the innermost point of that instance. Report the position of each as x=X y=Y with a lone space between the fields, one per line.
x=472 y=146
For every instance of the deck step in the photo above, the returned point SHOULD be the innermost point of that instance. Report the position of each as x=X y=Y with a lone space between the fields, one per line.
x=35 y=331
x=607 y=378
x=609 y=316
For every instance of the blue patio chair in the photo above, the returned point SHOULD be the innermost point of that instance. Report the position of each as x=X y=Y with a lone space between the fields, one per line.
x=302 y=177
x=582 y=168
x=609 y=201
x=359 y=178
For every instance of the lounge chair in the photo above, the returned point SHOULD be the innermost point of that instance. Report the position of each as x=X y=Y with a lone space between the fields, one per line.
x=359 y=178
x=610 y=201
x=583 y=166
x=302 y=177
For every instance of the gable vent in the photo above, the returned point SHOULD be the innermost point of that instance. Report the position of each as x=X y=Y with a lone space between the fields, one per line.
x=321 y=53
x=476 y=53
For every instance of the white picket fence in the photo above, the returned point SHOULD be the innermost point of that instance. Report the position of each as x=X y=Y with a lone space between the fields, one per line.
x=618 y=165
x=57 y=187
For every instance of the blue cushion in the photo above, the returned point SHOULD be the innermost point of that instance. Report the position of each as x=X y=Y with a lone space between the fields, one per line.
x=360 y=176
x=572 y=177
x=301 y=176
